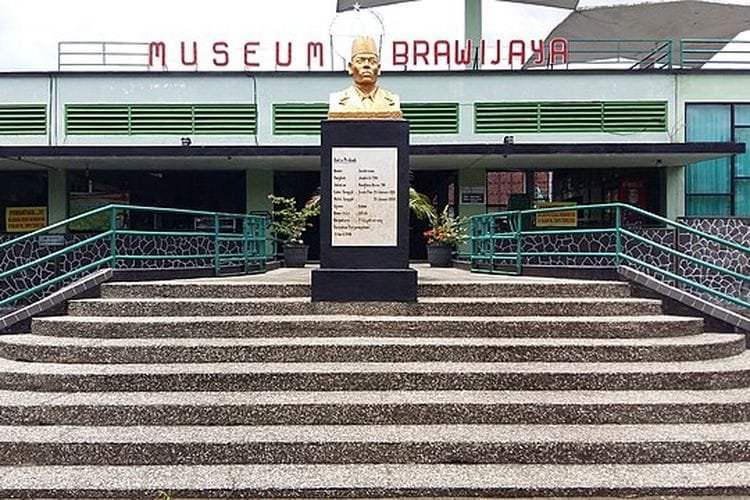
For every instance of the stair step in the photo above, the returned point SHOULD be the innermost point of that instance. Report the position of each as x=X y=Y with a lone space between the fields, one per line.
x=376 y=407
x=479 y=286
x=30 y=347
x=724 y=373
x=457 y=443
x=343 y=325
x=427 y=306
x=376 y=480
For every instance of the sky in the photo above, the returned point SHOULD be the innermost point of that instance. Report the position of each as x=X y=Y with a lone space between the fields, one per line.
x=31 y=29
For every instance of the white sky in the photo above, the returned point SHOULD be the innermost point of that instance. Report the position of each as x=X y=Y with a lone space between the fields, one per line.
x=31 y=29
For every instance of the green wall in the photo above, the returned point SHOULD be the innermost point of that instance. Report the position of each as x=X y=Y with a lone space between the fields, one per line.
x=258 y=185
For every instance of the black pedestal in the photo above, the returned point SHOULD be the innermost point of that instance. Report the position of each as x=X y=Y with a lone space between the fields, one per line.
x=364 y=248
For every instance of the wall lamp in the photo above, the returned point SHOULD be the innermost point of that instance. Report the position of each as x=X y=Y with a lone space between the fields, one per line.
x=508 y=139
x=185 y=141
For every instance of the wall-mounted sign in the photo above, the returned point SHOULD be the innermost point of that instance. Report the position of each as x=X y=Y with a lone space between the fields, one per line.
x=473 y=195
x=364 y=199
x=556 y=219
x=25 y=219
x=51 y=240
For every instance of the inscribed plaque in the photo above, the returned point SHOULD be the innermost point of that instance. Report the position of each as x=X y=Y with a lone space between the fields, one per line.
x=364 y=196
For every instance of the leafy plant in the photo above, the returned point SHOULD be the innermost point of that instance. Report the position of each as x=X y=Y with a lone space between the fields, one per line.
x=290 y=222
x=446 y=229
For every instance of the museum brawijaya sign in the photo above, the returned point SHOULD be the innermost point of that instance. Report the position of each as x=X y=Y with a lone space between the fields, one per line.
x=316 y=55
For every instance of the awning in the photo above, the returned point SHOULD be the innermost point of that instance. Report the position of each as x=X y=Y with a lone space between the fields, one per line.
x=535 y=156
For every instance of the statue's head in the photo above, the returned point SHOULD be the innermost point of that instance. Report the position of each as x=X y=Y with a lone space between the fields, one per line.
x=364 y=65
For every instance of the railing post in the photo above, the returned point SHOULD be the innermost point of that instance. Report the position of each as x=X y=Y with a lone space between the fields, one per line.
x=519 y=243
x=245 y=236
x=113 y=237
x=618 y=235
x=490 y=230
x=216 y=244
x=677 y=260
x=261 y=234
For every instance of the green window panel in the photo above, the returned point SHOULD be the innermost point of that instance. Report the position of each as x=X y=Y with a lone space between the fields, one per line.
x=23 y=119
x=714 y=206
x=431 y=117
x=742 y=165
x=424 y=118
x=570 y=117
x=160 y=119
x=299 y=118
x=742 y=197
x=708 y=184
x=742 y=114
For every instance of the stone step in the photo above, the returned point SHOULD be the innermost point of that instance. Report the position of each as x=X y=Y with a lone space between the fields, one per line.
x=385 y=326
x=378 y=480
x=724 y=373
x=30 y=347
x=522 y=287
x=427 y=306
x=375 y=408
x=349 y=444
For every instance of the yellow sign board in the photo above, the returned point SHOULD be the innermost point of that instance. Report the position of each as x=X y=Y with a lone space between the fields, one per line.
x=557 y=219
x=25 y=219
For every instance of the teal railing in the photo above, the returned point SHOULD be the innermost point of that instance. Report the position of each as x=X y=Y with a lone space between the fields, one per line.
x=230 y=243
x=702 y=53
x=633 y=54
x=497 y=245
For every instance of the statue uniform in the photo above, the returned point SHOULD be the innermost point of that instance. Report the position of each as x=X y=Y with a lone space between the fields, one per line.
x=352 y=100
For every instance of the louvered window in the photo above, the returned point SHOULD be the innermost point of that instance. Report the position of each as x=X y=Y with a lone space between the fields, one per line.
x=23 y=119
x=432 y=117
x=162 y=119
x=567 y=117
x=424 y=118
x=299 y=118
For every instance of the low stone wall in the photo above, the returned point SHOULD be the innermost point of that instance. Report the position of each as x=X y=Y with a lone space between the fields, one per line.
x=155 y=246
x=732 y=229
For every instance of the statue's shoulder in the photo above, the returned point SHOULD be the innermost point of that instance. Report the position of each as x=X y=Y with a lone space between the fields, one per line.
x=389 y=96
x=342 y=96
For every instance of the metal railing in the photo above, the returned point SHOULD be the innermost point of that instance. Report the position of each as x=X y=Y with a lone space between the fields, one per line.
x=626 y=54
x=582 y=53
x=102 y=54
x=713 y=53
x=497 y=246
x=230 y=243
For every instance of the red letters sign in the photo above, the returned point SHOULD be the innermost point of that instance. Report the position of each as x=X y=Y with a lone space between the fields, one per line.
x=403 y=54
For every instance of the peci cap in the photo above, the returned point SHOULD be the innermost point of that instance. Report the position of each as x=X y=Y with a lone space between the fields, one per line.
x=364 y=45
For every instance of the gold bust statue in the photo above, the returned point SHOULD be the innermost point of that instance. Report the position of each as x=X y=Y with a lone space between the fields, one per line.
x=364 y=99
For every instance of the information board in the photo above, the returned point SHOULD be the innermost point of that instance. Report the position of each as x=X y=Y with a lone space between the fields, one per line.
x=568 y=218
x=25 y=219
x=364 y=197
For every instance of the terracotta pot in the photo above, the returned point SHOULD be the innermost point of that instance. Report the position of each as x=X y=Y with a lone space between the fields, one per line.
x=439 y=255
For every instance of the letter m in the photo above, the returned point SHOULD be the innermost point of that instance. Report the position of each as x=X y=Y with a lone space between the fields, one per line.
x=155 y=50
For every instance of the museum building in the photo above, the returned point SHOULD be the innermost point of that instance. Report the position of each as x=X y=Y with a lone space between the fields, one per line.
x=664 y=138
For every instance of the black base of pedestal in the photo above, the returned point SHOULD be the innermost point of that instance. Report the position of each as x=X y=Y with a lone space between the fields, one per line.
x=364 y=285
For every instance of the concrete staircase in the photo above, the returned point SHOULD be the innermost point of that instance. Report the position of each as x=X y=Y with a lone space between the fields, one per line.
x=488 y=386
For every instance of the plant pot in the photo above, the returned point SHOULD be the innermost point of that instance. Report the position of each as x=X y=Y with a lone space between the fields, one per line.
x=439 y=255
x=295 y=255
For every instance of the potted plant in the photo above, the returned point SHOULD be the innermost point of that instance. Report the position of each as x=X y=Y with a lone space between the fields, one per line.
x=289 y=222
x=445 y=234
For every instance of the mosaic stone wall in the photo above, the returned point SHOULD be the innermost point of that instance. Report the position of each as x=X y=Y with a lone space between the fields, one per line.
x=30 y=250
x=736 y=230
